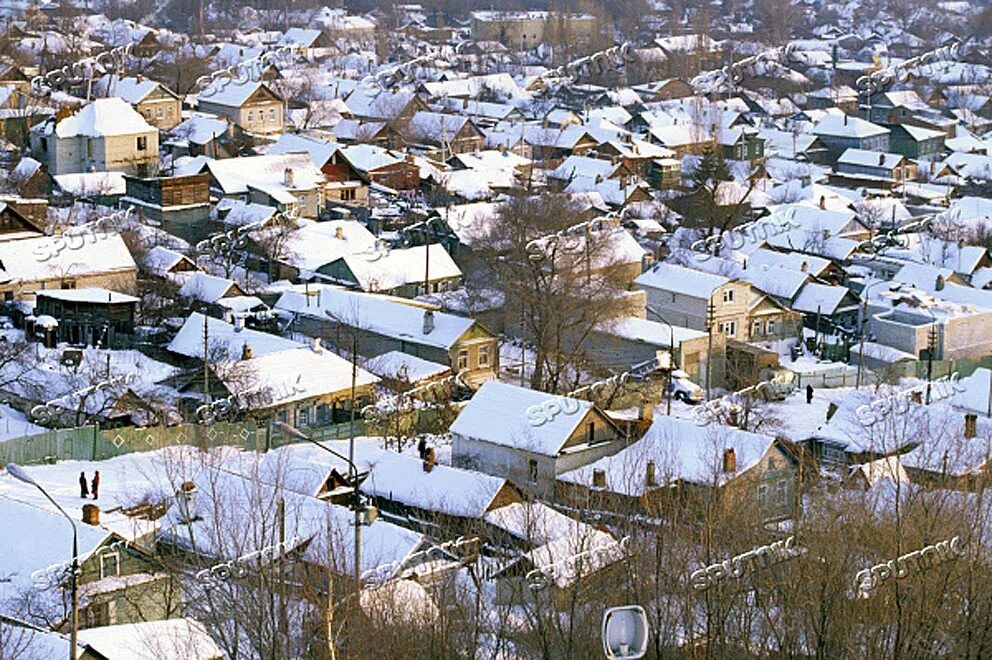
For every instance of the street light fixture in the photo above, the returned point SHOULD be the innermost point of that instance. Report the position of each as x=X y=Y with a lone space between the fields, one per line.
x=18 y=473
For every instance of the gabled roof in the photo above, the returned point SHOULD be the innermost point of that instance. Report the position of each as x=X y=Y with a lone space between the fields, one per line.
x=874 y=159
x=498 y=414
x=207 y=288
x=399 y=267
x=201 y=128
x=235 y=175
x=232 y=93
x=320 y=151
x=103 y=118
x=224 y=337
x=377 y=314
x=679 y=279
x=845 y=126
x=131 y=89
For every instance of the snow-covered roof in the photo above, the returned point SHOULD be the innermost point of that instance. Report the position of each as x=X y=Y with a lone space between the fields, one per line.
x=320 y=151
x=377 y=314
x=583 y=166
x=846 y=126
x=207 y=288
x=314 y=244
x=45 y=257
x=789 y=260
x=498 y=414
x=167 y=639
x=82 y=184
x=232 y=502
x=231 y=93
x=399 y=267
x=534 y=522
x=103 y=118
x=403 y=366
x=378 y=104
x=201 y=128
x=368 y=157
x=189 y=340
x=89 y=294
x=682 y=450
x=652 y=332
x=679 y=279
x=819 y=298
x=235 y=175
x=874 y=159
x=132 y=89
x=160 y=260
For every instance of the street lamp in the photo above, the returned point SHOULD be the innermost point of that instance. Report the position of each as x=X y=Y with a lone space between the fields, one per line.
x=18 y=473
x=671 y=350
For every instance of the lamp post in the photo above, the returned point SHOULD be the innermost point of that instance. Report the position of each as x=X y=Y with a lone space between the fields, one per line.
x=671 y=351
x=18 y=473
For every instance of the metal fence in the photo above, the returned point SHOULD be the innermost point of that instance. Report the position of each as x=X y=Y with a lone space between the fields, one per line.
x=90 y=443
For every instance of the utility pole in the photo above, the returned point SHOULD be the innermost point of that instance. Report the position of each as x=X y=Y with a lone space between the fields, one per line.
x=710 y=321
x=206 y=367
x=351 y=459
x=931 y=347
x=283 y=615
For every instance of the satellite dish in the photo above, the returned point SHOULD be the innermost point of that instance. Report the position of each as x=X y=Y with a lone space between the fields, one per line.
x=625 y=632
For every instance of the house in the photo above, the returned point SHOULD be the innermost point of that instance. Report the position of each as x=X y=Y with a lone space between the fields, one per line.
x=917 y=142
x=379 y=324
x=167 y=263
x=678 y=464
x=169 y=196
x=208 y=288
x=166 y=639
x=876 y=164
x=375 y=165
x=89 y=316
x=106 y=135
x=314 y=44
x=225 y=341
x=159 y=105
x=120 y=580
x=359 y=131
x=740 y=143
x=794 y=145
x=300 y=386
x=453 y=134
x=404 y=272
x=739 y=310
x=344 y=185
x=298 y=252
x=288 y=181
x=15 y=225
x=252 y=106
x=30 y=179
x=525 y=30
x=82 y=257
x=202 y=135
x=505 y=431
x=394 y=106
x=840 y=133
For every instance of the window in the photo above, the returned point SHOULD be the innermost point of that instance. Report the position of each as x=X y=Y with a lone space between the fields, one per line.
x=781 y=489
x=100 y=615
x=728 y=296
x=142 y=143
x=169 y=112
x=756 y=328
x=110 y=565
x=532 y=471
x=763 y=495
x=304 y=417
x=272 y=114
x=348 y=195
x=89 y=147
x=463 y=359
x=729 y=328
x=590 y=432
x=771 y=463
x=484 y=356
x=158 y=112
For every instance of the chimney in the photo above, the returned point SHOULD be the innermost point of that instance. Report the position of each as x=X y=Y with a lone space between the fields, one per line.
x=339 y=233
x=428 y=321
x=429 y=460
x=246 y=351
x=649 y=476
x=599 y=478
x=315 y=345
x=288 y=177
x=939 y=284
x=805 y=267
x=91 y=514
x=185 y=500
x=970 y=425
x=845 y=119
x=139 y=78
x=881 y=159
x=917 y=397
x=646 y=412
x=465 y=103
x=823 y=202
x=729 y=460
x=826 y=234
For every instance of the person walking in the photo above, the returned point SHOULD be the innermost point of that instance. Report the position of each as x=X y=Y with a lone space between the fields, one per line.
x=809 y=394
x=84 y=491
x=96 y=484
